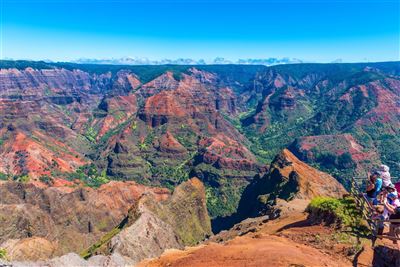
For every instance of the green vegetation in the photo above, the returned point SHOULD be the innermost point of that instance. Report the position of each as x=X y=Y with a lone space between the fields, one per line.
x=171 y=174
x=223 y=192
x=46 y=179
x=223 y=200
x=187 y=137
x=316 y=113
x=342 y=212
x=101 y=244
x=89 y=175
x=3 y=176
x=134 y=125
x=103 y=240
x=23 y=178
x=149 y=138
x=3 y=254
x=143 y=146
x=112 y=132
x=91 y=134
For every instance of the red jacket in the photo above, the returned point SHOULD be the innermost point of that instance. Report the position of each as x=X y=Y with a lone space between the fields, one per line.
x=397 y=185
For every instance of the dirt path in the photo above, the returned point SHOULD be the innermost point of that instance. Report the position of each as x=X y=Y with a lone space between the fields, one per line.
x=264 y=248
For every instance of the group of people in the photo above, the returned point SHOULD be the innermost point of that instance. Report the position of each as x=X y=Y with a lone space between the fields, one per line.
x=383 y=195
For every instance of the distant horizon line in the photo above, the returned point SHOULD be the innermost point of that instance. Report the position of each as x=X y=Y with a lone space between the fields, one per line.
x=136 y=61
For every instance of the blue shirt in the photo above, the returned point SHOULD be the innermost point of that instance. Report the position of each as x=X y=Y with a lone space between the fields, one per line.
x=378 y=187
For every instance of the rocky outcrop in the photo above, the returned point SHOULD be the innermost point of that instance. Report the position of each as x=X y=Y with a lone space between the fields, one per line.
x=288 y=186
x=148 y=237
x=32 y=248
x=169 y=144
x=152 y=227
x=81 y=108
x=185 y=211
x=73 y=260
x=225 y=153
x=23 y=154
x=68 y=218
x=155 y=222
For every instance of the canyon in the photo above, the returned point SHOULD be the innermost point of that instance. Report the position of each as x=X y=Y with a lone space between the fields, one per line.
x=113 y=165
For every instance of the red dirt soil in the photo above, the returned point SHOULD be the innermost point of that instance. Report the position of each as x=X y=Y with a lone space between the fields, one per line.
x=267 y=247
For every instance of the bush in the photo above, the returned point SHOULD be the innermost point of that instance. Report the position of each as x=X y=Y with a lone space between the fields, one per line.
x=3 y=176
x=3 y=254
x=89 y=175
x=342 y=212
x=46 y=180
x=23 y=178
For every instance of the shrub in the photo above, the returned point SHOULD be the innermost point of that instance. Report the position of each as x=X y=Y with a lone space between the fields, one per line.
x=23 y=178
x=342 y=212
x=3 y=176
x=3 y=254
x=46 y=179
x=91 y=134
x=89 y=175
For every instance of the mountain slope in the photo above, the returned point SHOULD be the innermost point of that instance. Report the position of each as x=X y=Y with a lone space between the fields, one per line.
x=287 y=187
x=65 y=123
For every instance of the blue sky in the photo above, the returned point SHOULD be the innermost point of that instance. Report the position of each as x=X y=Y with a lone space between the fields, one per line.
x=311 y=30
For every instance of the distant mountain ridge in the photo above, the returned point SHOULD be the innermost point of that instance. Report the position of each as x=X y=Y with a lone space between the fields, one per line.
x=185 y=61
x=68 y=123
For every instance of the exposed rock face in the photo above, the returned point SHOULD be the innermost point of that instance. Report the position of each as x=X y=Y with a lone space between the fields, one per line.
x=33 y=248
x=288 y=186
x=22 y=154
x=169 y=144
x=74 y=260
x=326 y=100
x=336 y=151
x=218 y=123
x=225 y=153
x=147 y=237
x=185 y=211
x=155 y=222
x=151 y=227
x=69 y=218
x=134 y=125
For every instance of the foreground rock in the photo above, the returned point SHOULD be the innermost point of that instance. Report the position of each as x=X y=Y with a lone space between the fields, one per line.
x=152 y=227
x=267 y=246
x=289 y=186
x=38 y=223
x=72 y=260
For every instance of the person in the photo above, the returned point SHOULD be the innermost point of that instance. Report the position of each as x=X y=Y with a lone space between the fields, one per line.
x=391 y=202
x=391 y=189
x=395 y=227
x=374 y=187
x=385 y=175
x=397 y=186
